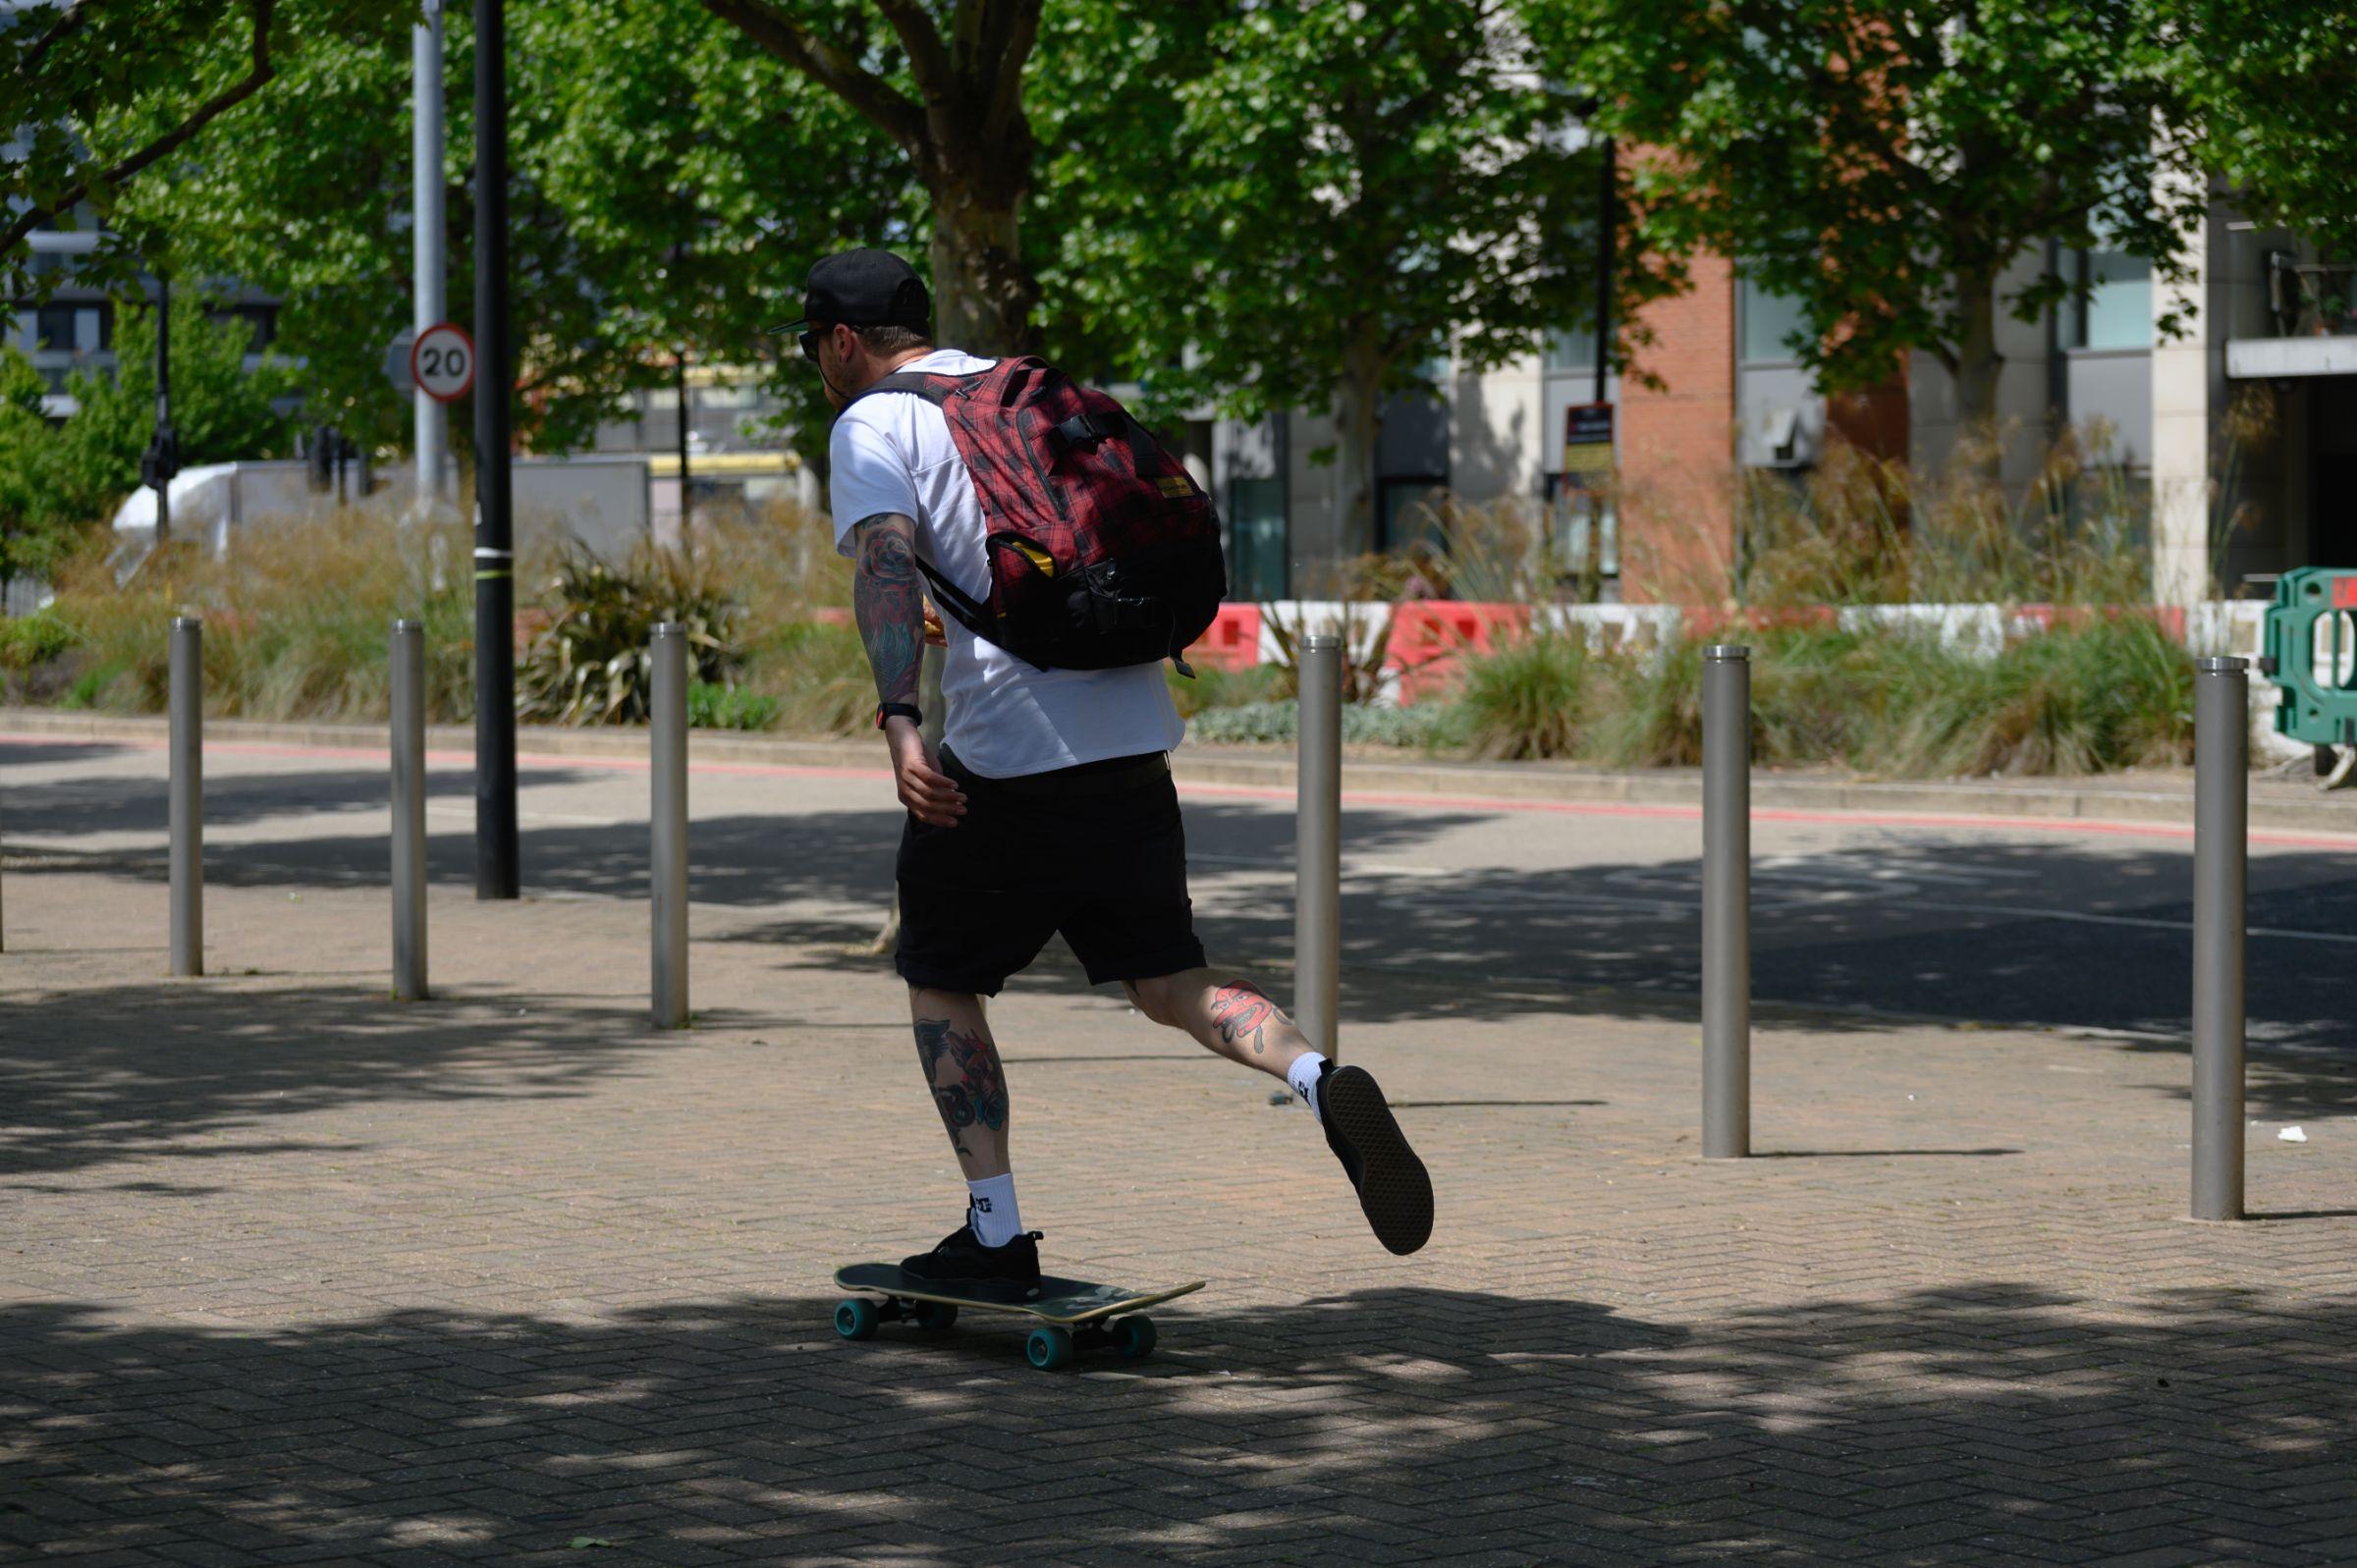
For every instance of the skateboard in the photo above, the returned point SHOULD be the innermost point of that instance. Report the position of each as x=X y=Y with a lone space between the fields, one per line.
x=1074 y=1315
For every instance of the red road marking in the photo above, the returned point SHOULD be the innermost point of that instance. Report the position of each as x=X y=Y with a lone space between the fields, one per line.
x=1568 y=808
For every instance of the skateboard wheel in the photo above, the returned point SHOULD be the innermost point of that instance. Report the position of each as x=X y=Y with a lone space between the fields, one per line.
x=1049 y=1348
x=934 y=1317
x=856 y=1318
x=1134 y=1336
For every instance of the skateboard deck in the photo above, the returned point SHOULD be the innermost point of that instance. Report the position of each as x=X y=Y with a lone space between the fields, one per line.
x=1074 y=1314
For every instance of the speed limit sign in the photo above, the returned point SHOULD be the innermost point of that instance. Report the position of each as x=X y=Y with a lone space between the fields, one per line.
x=442 y=361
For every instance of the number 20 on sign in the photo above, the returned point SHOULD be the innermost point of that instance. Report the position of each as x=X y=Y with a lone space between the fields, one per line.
x=442 y=361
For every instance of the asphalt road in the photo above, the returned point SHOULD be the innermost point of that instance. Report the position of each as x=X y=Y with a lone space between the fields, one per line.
x=2067 y=924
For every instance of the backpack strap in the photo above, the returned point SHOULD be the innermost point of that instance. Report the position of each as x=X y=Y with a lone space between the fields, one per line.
x=934 y=388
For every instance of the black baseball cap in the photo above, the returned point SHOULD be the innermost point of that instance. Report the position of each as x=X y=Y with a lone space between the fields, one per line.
x=864 y=287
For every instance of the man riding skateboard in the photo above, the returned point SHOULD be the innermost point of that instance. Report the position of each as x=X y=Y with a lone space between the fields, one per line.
x=1051 y=807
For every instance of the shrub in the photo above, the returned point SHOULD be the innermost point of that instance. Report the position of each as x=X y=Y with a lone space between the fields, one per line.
x=593 y=660
x=297 y=620
x=818 y=675
x=719 y=707
x=1429 y=726
x=1214 y=687
x=34 y=639
x=2114 y=691
x=1529 y=698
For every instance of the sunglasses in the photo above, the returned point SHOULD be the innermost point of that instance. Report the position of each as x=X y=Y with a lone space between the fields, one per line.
x=809 y=342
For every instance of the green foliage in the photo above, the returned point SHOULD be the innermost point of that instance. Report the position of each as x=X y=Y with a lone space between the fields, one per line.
x=103 y=98
x=1309 y=205
x=592 y=662
x=1429 y=727
x=712 y=706
x=650 y=212
x=2272 y=83
x=1529 y=698
x=1214 y=687
x=1882 y=162
x=34 y=639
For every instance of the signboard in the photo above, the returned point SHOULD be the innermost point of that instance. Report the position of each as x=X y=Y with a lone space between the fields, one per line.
x=442 y=362
x=1588 y=438
x=397 y=362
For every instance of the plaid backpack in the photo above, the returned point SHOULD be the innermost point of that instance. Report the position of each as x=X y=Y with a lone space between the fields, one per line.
x=1103 y=552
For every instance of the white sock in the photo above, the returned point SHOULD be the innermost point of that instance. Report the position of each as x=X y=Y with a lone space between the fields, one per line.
x=1304 y=1075
x=992 y=1213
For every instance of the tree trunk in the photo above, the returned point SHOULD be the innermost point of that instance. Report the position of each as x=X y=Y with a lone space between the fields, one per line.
x=1358 y=423
x=1977 y=359
x=982 y=297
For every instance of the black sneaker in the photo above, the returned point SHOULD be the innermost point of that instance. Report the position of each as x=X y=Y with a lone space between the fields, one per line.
x=962 y=1264
x=1392 y=1186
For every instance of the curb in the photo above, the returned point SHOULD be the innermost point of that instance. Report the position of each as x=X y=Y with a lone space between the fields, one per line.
x=2295 y=808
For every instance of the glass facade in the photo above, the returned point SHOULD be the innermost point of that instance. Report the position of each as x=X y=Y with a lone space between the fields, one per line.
x=1769 y=322
x=1256 y=543
x=2118 y=311
x=1571 y=348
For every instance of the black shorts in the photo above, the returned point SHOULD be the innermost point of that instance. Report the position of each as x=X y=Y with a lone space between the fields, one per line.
x=1095 y=853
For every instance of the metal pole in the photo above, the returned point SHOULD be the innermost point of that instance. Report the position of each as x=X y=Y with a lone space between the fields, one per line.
x=686 y=506
x=497 y=869
x=1318 y=840
x=2222 y=725
x=1725 y=902
x=428 y=243
x=163 y=401
x=409 y=810
x=668 y=756
x=1606 y=223
x=186 y=748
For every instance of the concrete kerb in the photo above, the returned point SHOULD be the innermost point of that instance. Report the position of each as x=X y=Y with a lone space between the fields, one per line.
x=2132 y=801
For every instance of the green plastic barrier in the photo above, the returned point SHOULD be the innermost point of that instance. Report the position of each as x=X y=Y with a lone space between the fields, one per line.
x=2317 y=705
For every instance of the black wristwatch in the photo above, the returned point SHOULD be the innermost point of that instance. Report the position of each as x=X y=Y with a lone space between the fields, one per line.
x=897 y=710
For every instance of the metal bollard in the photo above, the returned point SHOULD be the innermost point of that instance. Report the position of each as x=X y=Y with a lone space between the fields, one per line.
x=409 y=810
x=1725 y=902
x=2221 y=726
x=187 y=758
x=1318 y=845
x=668 y=773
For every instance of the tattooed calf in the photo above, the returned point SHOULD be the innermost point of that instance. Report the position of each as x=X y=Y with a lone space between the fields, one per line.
x=1241 y=1012
x=978 y=1091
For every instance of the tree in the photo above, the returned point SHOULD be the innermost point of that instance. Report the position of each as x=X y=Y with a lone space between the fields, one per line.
x=60 y=480
x=955 y=106
x=1884 y=161
x=649 y=211
x=100 y=95
x=2272 y=83
x=1303 y=205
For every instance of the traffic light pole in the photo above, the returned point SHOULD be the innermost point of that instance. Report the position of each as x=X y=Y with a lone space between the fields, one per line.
x=497 y=873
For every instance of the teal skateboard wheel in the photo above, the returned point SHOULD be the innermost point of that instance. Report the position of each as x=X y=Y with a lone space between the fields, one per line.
x=855 y=1319
x=1049 y=1348
x=935 y=1317
x=1133 y=1336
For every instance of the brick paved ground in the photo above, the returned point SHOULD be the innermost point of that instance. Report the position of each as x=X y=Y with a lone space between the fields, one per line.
x=290 y=1273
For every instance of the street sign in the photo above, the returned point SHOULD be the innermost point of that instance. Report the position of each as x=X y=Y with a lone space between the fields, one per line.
x=1588 y=438
x=397 y=361
x=442 y=361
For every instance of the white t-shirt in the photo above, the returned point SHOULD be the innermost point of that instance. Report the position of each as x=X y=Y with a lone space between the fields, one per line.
x=892 y=453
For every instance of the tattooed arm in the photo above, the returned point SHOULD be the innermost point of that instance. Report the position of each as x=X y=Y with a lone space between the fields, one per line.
x=888 y=597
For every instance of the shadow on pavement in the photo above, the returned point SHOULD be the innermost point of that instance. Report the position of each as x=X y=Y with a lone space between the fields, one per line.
x=160 y=1070
x=1985 y=1423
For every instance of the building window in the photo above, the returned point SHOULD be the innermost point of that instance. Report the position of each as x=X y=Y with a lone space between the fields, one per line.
x=2117 y=310
x=1256 y=538
x=1409 y=513
x=262 y=323
x=53 y=329
x=1771 y=323
x=1570 y=349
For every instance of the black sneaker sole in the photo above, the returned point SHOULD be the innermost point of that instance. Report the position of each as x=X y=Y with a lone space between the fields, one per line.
x=1394 y=1188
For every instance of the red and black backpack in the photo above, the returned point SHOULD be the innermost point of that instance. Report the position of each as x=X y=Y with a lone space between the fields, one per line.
x=1103 y=551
